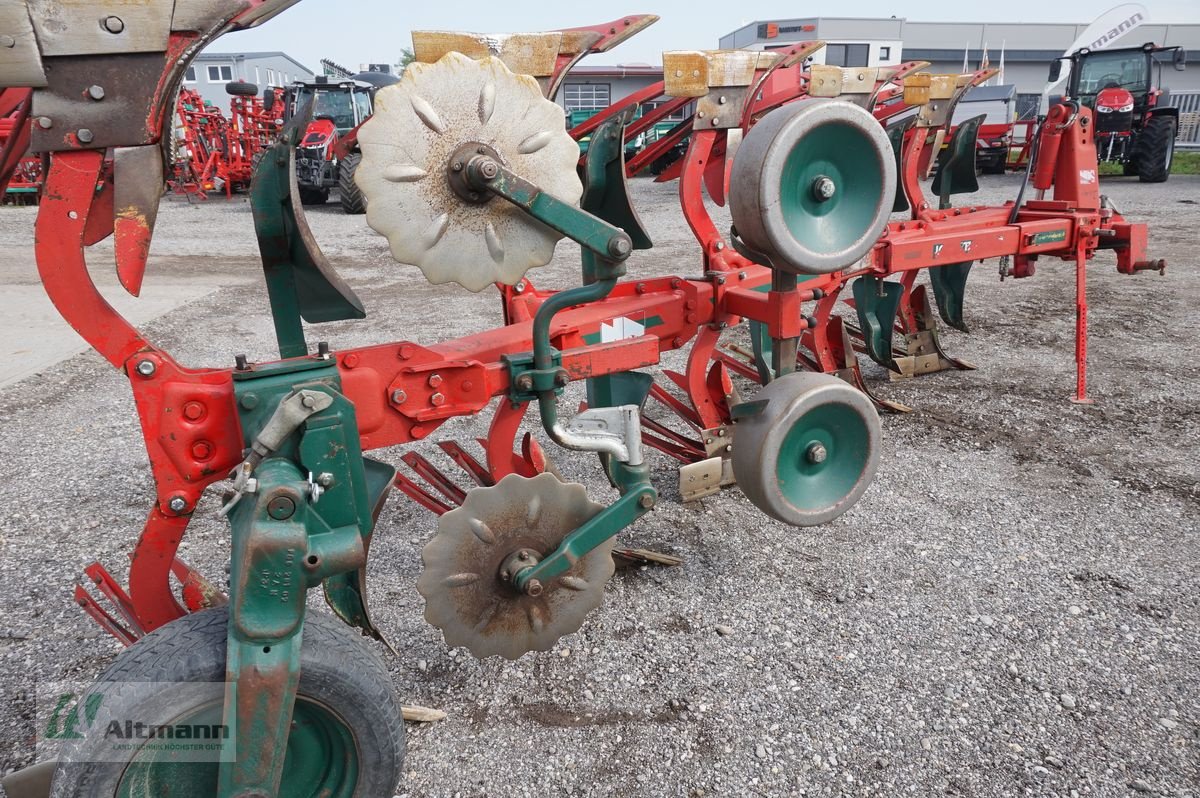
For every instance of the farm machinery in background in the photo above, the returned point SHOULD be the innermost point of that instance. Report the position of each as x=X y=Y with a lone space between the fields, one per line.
x=470 y=174
x=20 y=173
x=328 y=153
x=1134 y=125
x=218 y=153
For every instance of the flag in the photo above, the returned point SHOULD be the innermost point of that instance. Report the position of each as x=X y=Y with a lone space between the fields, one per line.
x=1000 y=76
x=983 y=61
x=966 y=50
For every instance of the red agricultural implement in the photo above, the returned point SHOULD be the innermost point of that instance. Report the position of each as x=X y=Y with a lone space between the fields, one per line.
x=215 y=153
x=469 y=173
x=20 y=173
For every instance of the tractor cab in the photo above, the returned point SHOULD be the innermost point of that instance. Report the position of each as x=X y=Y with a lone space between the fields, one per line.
x=1133 y=124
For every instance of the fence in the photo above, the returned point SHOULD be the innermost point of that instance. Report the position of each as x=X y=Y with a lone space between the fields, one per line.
x=1188 y=103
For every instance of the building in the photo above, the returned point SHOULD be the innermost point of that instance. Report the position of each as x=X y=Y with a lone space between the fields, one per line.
x=1028 y=48
x=590 y=87
x=209 y=73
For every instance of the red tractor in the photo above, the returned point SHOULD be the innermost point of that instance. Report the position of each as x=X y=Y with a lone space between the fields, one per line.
x=1134 y=125
x=328 y=152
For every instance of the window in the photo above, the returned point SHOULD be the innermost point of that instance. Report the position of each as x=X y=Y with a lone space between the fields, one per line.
x=582 y=96
x=847 y=55
x=885 y=53
x=257 y=76
x=678 y=116
x=190 y=75
x=220 y=74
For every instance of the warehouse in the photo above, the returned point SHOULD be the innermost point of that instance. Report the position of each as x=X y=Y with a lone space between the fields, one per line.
x=1028 y=48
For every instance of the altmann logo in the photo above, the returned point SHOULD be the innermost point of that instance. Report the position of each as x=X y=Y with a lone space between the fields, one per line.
x=1117 y=32
x=132 y=730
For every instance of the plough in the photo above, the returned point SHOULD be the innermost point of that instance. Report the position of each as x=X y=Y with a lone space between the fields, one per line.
x=472 y=178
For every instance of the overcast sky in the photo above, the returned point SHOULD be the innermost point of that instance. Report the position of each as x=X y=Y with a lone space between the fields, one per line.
x=353 y=32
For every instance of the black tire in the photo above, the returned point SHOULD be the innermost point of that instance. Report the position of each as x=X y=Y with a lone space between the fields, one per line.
x=341 y=674
x=240 y=88
x=1130 y=167
x=313 y=196
x=997 y=165
x=353 y=201
x=1156 y=149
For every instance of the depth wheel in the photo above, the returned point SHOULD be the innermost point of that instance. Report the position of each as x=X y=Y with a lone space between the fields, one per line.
x=812 y=186
x=516 y=523
x=811 y=452
x=347 y=735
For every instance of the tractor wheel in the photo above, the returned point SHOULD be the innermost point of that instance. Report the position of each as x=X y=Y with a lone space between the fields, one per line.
x=811 y=452
x=1130 y=167
x=240 y=88
x=1156 y=149
x=313 y=196
x=997 y=166
x=351 y=195
x=347 y=734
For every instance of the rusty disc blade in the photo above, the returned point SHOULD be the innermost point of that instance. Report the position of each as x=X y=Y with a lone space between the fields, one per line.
x=464 y=594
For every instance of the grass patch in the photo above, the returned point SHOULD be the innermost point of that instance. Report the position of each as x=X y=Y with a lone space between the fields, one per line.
x=1184 y=163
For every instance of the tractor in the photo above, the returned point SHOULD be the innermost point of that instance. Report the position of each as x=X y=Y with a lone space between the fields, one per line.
x=1134 y=126
x=328 y=152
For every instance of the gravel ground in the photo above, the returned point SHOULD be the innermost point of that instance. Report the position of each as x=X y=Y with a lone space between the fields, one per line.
x=1012 y=609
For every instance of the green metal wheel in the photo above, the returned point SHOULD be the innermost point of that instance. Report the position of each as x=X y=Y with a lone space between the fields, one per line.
x=347 y=736
x=811 y=451
x=813 y=185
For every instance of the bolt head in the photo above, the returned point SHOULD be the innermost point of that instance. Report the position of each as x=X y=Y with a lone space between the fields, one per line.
x=534 y=588
x=7 y=41
x=85 y=135
x=146 y=368
x=435 y=380
x=816 y=453
x=399 y=397
x=646 y=501
x=177 y=504
x=113 y=24
x=437 y=400
x=824 y=188
x=45 y=122
x=620 y=246
x=96 y=92
x=324 y=479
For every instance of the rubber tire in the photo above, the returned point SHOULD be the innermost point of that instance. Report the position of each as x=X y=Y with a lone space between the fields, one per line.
x=997 y=168
x=353 y=201
x=339 y=669
x=313 y=196
x=759 y=191
x=758 y=441
x=240 y=88
x=1156 y=149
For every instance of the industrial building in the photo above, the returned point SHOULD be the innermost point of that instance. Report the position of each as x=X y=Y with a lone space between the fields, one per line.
x=209 y=73
x=1028 y=48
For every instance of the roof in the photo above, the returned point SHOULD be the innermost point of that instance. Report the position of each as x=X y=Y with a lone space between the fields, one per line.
x=618 y=71
x=211 y=56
